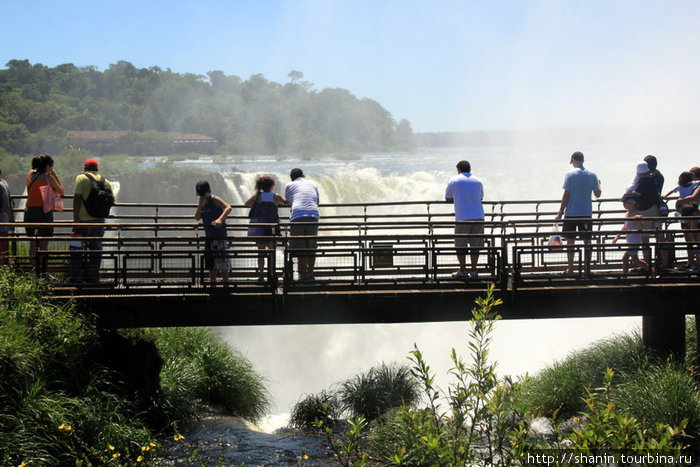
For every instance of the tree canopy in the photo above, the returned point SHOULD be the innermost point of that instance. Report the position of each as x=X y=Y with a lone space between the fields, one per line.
x=39 y=104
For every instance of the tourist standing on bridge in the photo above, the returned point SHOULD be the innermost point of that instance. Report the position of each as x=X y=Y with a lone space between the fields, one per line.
x=92 y=200
x=466 y=192
x=577 y=207
x=649 y=186
x=633 y=234
x=213 y=210
x=302 y=195
x=41 y=174
x=264 y=210
x=7 y=216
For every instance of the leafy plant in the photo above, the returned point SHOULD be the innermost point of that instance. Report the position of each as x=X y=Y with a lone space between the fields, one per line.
x=604 y=428
x=312 y=408
x=382 y=388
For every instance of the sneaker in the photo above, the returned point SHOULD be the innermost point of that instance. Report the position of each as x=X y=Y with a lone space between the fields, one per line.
x=693 y=269
x=461 y=275
x=473 y=275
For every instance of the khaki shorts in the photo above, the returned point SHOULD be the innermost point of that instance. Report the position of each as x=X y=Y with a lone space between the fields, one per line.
x=473 y=228
x=650 y=212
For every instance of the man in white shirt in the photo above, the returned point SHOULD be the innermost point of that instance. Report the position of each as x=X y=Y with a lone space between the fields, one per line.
x=302 y=195
x=466 y=192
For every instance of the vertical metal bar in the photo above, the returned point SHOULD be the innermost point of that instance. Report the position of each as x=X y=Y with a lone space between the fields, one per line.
x=271 y=270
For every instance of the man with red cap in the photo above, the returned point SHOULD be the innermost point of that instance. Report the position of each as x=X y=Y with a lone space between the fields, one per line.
x=92 y=199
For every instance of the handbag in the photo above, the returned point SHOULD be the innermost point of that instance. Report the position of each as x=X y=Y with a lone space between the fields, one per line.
x=555 y=238
x=51 y=201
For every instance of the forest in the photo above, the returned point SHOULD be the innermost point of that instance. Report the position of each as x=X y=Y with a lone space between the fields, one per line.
x=39 y=105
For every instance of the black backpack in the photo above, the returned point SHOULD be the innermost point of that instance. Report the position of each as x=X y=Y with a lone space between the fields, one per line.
x=100 y=200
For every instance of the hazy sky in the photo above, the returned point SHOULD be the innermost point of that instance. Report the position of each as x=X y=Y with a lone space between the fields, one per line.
x=443 y=65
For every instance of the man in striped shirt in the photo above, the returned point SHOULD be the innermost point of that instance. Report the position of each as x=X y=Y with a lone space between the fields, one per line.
x=302 y=195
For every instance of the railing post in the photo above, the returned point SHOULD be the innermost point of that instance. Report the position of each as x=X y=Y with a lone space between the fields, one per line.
x=118 y=259
x=362 y=246
x=156 y=221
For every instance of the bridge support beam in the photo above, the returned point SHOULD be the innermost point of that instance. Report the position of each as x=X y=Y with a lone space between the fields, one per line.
x=665 y=334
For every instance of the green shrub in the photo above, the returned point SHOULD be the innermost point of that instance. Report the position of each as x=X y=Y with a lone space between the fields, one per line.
x=605 y=429
x=200 y=366
x=561 y=388
x=382 y=388
x=311 y=408
x=55 y=403
x=661 y=393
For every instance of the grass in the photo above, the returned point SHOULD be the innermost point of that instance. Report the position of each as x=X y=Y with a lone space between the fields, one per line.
x=48 y=382
x=560 y=388
x=645 y=386
x=60 y=406
x=311 y=408
x=660 y=393
x=201 y=368
x=371 y=395
x=377 y=391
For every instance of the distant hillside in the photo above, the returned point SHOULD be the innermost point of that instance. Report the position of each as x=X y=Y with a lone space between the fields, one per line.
x=40 y=105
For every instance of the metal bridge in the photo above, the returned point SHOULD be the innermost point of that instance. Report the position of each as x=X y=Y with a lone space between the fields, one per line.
x=375 y=263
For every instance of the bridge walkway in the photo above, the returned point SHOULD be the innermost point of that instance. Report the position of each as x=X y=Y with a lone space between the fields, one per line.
x=381 y=262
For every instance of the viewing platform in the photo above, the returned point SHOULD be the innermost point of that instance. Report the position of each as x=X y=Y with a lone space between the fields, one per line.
x=375 y=263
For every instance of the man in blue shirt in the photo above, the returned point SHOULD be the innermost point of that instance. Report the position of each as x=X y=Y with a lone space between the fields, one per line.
x=577 y=207
x=466 y=192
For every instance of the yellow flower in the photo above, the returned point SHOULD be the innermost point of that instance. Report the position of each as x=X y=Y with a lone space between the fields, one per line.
x=152 y=445
x=115 y=455
x=303 y=457
x=110 y=447
x=178 y=437
x=139 y=459
x=23 y=464
x=65 y=427
x=145 y=448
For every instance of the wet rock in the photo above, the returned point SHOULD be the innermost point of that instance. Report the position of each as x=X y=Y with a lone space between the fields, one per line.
x=541 y=428
x=233 y=441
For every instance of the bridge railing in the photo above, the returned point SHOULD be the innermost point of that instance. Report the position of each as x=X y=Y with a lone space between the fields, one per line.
x=131 y=264
x=372 y=249
x=409 y=211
